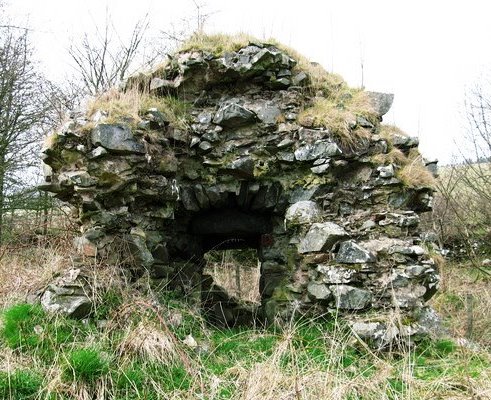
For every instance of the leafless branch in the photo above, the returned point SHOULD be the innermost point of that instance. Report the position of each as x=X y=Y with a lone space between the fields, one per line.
x=105 y=59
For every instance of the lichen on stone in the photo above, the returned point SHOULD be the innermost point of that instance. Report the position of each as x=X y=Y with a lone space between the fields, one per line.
x=246 y=144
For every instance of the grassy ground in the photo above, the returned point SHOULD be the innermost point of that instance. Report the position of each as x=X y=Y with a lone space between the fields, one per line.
x=145 y=344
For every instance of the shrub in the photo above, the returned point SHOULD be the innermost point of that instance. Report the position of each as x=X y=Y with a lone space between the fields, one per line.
x=19 y=385
x=86 y=365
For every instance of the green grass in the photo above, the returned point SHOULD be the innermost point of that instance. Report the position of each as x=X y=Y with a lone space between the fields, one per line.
x=19 y=325
x=86 y=364
x=19 y=385
x=109 y=303
x=28 y=328
x=318 y=356
x=131 y=377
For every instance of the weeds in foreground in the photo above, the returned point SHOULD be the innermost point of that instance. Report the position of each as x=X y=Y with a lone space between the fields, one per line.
x=464 y=302
x=309 y=359
x=140 y=353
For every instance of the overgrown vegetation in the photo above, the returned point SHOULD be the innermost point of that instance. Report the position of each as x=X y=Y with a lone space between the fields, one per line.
x=20 y=384
x=414 y=174
x=217 y=44
x=142 y=343
x=393 y=156
x=336 y=110
x=143 y=350
x=410 y=167
x=129 y=106
x=86 y=365
x=340 y=116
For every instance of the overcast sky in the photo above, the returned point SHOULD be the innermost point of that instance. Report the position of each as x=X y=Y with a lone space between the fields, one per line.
x=425 y=52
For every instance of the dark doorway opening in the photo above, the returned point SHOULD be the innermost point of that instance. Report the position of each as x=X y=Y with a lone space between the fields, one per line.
x=230 y=229
x=230 y=240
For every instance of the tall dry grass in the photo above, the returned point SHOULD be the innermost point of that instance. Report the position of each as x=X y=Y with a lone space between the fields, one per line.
x=306 y=359
x=464 y=303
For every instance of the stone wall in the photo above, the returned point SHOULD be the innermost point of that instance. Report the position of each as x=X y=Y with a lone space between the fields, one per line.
x=250 y=148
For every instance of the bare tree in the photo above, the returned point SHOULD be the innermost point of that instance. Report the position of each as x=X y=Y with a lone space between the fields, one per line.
x=474 y=176
x=22 y=114
x=105 y=59
x=186 y=27
x=462 y=215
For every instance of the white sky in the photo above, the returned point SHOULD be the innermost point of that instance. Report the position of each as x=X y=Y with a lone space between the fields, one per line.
x=425 y=52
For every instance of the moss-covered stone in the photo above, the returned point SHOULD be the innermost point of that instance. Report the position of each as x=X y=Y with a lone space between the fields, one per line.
x=238 y=144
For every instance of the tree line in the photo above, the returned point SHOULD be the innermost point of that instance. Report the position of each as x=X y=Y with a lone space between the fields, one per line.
x=31 y=106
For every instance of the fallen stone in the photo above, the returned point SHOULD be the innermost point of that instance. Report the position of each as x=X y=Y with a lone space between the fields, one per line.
x=69 y=295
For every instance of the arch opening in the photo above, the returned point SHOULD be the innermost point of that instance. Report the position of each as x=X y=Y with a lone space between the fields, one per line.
x=230 y=242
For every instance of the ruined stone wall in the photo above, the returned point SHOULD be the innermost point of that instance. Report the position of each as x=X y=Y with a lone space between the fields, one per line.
x=249 y=148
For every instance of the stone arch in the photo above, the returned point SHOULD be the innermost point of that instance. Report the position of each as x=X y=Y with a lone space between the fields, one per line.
x=243 y=146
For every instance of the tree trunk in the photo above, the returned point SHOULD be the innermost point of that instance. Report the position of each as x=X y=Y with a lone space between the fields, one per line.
x=2 y=202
